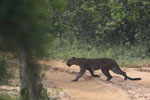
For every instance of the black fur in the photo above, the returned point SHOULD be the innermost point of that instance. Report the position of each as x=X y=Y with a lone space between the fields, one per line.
x=105 y=64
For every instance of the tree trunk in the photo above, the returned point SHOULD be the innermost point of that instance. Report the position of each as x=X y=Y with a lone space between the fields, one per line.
x=30 y=81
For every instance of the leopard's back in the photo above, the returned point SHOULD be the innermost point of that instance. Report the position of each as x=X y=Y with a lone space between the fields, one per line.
x=99 y=63
x=105 y=64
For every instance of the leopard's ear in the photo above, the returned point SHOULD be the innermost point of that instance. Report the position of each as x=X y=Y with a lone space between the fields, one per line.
x=73 y=58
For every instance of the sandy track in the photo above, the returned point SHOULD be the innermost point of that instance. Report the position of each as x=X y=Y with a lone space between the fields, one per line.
x=88 y=88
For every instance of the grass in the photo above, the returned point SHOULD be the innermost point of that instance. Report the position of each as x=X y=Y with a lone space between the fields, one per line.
x=5 y=74
x=129 y=55
x=6 y=96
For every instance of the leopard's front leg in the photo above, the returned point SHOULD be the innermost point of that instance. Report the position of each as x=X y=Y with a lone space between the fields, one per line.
x=80 y=74
x=92 y=73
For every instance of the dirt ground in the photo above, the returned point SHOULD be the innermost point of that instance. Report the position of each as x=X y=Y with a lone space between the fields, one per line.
x=89 y=88
x=58 y=75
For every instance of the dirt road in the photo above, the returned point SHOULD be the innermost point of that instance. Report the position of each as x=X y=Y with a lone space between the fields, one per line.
x=89 y=88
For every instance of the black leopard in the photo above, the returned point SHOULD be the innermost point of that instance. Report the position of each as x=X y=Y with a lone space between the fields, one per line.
x=105 y=64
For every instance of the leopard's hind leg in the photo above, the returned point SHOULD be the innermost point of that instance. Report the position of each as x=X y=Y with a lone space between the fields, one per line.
x=92 y=73
x=106 y=73
x=117 y=70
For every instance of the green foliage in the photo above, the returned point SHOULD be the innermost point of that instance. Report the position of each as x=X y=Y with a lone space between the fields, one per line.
x=4 y=65
x=124 y=55
x=54 y=94
x=26 y=24
x=24 y=93
x=44 y=94
x=103 y=28
x=109 y=22
x=5 y=96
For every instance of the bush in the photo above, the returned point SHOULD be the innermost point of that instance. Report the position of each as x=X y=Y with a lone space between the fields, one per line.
x=5 y=96
x=124 y=55
x=4 y=73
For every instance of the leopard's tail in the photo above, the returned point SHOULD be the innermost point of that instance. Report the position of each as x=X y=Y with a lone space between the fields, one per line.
x=117 y=70
x=134 y=79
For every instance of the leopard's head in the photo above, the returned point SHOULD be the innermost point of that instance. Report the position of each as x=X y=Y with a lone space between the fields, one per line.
x=71 y=61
